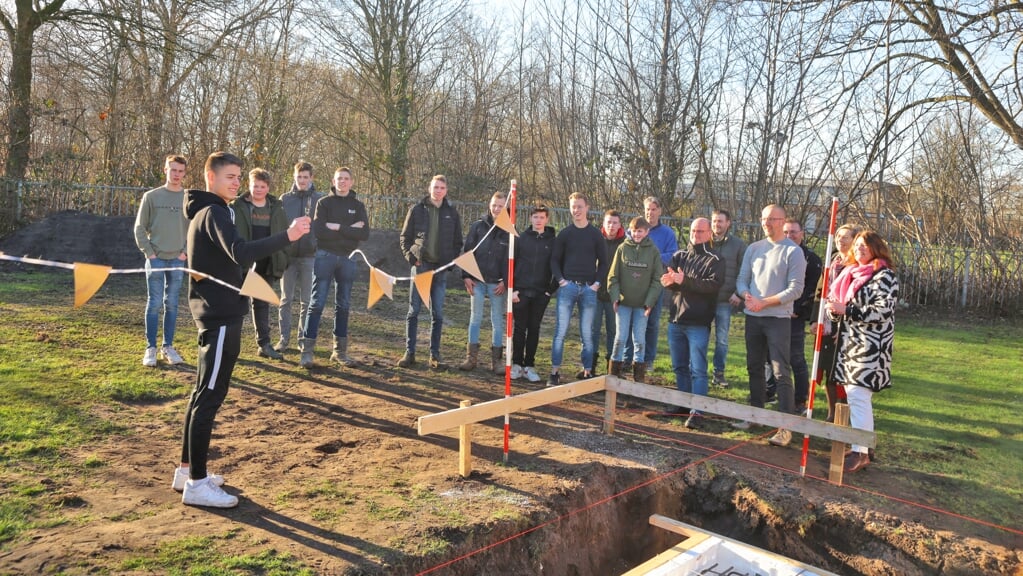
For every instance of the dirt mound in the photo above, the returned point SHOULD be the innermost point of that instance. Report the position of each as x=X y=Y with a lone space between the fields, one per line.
x=78 y=237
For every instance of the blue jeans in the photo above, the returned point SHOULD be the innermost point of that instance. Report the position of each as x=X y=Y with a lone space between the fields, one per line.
x=340 y=269
x=604 y=318
x=164 y=288
x=722 y=322
x=629 y=321
x=688 y=346
x=497 y=313
x=437 y=289
x=568 y=296
x=653 y=329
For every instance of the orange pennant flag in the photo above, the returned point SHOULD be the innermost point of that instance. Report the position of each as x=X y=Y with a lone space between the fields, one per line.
x=88 y=280
x=380 y=284
x=503 y=221
x=467 y=262
x=255 y=287
x=423 y=282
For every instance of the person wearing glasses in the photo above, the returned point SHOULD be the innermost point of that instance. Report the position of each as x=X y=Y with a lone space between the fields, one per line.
x=770 y=280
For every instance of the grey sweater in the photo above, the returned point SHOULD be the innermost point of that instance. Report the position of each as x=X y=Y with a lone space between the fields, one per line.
x=772 y=269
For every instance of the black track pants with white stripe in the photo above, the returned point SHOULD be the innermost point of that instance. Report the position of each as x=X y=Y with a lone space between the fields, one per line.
x=219 y=347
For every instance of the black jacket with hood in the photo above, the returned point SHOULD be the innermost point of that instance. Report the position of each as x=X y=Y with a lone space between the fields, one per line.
x=533 y=252
x=214 y=247
x=492 y=255
x=343 y=211
x=694 y=301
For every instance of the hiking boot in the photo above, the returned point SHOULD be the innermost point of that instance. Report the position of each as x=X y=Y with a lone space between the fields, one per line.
x=340 y=353
x=408 y=360
x=532 y=375
x=517 y=372
x=206 y=493
x=472 y=354
x=856 y=461
x=307 y=346
x=614 y=368
x=436 y=363
x=267 y=352
x=497 y=359
x=149 y=360
x=639 y=372
x=694 y=421
x=554 y=379
x=719 y=379
x=181 y=477
x=781 y=438
x=170 y=355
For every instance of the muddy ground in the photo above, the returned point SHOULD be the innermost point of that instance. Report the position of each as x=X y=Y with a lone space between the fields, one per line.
x=329 y=468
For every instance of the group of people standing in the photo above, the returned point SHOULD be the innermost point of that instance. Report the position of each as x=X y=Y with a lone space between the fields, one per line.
x=617 y=278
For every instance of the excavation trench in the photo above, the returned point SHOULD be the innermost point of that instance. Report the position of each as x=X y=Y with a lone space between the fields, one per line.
x=598 y=537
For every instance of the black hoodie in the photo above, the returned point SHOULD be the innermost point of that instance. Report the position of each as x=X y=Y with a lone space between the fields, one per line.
x=215 y=248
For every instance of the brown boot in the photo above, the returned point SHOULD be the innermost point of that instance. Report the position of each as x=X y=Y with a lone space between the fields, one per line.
x=829 y=389
x=472 y=354
x=639 y=372
x=497 y=359
x=614 y=368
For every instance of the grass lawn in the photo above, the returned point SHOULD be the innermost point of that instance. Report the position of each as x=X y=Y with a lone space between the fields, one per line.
x=953 y=413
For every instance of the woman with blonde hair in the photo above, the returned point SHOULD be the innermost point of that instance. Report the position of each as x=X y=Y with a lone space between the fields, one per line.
x=864 y=297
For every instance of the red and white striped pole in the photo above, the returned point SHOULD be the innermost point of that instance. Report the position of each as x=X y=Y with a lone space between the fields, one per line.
x=819 y=335
x=508 y=320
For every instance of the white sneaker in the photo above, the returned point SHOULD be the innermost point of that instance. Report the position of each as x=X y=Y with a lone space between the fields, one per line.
x=781 y=438
x=171 y=355
x=741 y=425
x=181 y=477
x=516 y=372
x=149 y=360
x=205 y=493
x=532 y=375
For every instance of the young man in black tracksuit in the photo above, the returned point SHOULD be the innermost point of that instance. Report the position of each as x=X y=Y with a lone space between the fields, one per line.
x=215 y=248
x=534 y=285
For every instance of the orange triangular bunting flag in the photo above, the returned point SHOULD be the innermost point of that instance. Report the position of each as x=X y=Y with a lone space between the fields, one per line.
x=255 y=287
x=503 y=221
x=88 y=280
x=468 y=263
x=380 y=284
x=196 y=276
x=423 y=281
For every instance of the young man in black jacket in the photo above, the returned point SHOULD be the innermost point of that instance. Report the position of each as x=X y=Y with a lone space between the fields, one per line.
x=534 y=284
x=430 y=238
x=492 y=258
x=215 y=248
x=340 y=224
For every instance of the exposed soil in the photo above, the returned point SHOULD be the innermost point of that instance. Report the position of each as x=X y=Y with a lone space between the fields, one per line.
x=329 y=468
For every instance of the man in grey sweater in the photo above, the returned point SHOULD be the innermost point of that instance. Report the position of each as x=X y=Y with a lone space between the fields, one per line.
x=770 y=279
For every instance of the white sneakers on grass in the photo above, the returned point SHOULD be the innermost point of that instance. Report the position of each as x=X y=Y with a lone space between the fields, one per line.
x=149 y=360
x=531 y=374
x=516 y=372
x=170 y=355
x=181 y=477
x=206 y=493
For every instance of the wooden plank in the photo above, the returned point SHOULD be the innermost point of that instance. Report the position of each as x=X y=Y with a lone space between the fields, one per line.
x=836 y=468
x=610 y=399
x=455 y=417
x=465 y=445
x=792 y=422
x=696 y=535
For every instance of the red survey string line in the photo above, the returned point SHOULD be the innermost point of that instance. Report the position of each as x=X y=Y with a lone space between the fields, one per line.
x=819 y=335
x=508 y=319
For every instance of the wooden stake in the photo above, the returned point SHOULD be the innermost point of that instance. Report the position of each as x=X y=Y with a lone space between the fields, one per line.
x=610 y=399
x=835 y=471
x=465 y=445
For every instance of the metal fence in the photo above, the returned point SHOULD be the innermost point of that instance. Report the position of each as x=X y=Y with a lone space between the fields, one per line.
x=938 y=278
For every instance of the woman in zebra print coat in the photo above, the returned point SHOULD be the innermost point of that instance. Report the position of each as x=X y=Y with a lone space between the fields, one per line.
x=864 y=297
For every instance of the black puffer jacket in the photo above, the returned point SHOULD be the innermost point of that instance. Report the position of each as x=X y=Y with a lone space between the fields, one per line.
x=533 y=262
x=694 y=301
x=417 y=225
x=492 y=255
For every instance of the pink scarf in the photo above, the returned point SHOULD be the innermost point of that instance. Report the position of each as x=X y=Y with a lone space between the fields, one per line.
x=853 y=277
